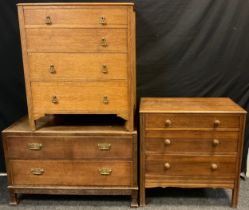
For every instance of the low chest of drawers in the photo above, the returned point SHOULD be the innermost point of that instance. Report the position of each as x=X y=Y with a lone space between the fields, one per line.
x=190 y=142
x=79 y=58
x=67 y=159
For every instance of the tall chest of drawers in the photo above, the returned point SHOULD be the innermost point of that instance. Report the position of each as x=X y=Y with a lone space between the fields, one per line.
x=190 y=142
x=63 y=158
x=79 y=58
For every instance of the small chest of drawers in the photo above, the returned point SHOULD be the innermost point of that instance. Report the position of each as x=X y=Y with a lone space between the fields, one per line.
x=70 y=159
x=190 y=142
x=79 y=58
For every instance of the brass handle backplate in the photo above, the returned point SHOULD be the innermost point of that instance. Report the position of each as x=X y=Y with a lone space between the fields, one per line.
x=167 y=141
x=105 y=100
x=35 y=146
x=168 y=123
x=37 y=171
x=167 y=166
x=214 y=166
x=104 y=69
x=54 y=100
x=104 y=146
x=52 y=69
x=105 y=171
x=48 y=20
x=217 y=123
x=216 y=142
x=103 y=42
x=102 y=20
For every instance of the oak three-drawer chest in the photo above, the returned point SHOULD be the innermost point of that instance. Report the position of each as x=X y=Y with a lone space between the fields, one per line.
x=191 y=142
x=79 y=58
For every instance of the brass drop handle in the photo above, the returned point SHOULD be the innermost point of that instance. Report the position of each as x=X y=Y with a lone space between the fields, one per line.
x=104 y=146
x=214 y=166
x=52 y=69
x=35 y=146
x=105 y=100
x=105 y=171
x=102 y=20
x=103 y=42
x=216 y=142
x=104 y=69
x=37 y=171
x=167 y=166
x=48 y=20
x=167 y=142
x=168 y=123
x=217 y=123
x=54 y=100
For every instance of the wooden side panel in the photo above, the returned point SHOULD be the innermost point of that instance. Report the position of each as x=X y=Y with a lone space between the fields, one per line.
x=26 y=65
x=131 y=68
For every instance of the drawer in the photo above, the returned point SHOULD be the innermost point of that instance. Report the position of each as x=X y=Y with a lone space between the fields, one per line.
x=76 y=66
x=71 y=173
x=76 y=40
x=193 y=134
x=75 y=16
x=185 y=145
x=79 y=97
x=191 y=165
x=61 y=147
x=192 y=121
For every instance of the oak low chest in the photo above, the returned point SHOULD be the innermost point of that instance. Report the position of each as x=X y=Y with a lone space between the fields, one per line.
x=190 y=142
x=63 y=158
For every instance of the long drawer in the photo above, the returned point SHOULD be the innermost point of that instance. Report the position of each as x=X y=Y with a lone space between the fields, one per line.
x=80 y=97
x=71 y=173
x=191 y=165
x=75 y=16
x=52 y=147
x=77 y=66
x=185 y=145
x=192 y=121
x=76 y=40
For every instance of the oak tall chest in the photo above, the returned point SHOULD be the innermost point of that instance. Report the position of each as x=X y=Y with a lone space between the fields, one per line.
x=65 y=157
x=190 y=142
x=79 y=58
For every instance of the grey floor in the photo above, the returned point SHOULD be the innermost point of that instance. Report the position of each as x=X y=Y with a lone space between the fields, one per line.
x=159 y=199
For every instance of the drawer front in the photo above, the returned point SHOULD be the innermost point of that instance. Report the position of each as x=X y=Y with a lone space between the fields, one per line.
x=70 y=17
x=192 y=166
x=192 y=121
x=52 y=147
x=71 y=173
x=191 y=134
x=66 y=66
x=76 y=40
x=184 y=145
x=77 y=97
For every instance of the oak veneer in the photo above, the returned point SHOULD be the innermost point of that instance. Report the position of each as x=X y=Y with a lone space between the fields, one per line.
x=190 y=142
x=67 y=43
x=70 y=156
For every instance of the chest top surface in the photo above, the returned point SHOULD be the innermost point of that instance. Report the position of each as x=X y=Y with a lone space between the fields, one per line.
x=189 y=105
